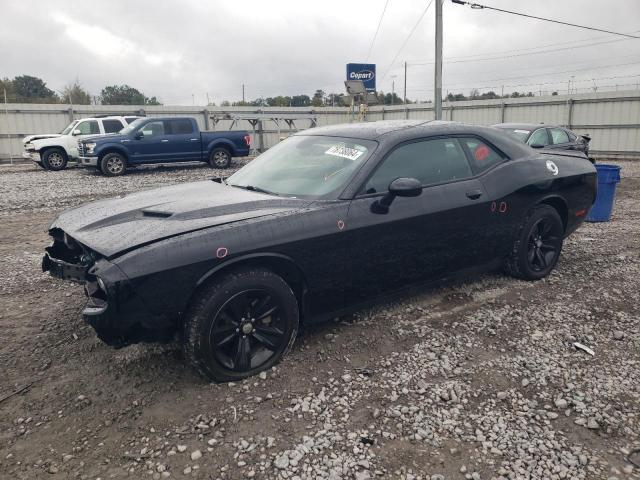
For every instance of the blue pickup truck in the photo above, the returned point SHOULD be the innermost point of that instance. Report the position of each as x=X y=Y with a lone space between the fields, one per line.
x=161 y=140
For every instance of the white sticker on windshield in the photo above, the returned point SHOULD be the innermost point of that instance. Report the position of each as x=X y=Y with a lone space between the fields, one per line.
x=522 y=131
x=344 y=152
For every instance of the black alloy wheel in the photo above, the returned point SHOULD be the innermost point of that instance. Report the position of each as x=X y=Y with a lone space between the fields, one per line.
x=248 y=330
x=537 y=247
x=543 y=245
x=220 y=158
x=240 y=323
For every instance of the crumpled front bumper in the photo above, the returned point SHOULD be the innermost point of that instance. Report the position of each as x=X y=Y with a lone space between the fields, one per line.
x=113 y=309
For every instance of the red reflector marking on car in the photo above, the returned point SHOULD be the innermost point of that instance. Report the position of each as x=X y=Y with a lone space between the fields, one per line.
x=247 y=140
x=503 y=207
x=481 y=152
x=340 y=224
x=581 y=213
x=221 y=252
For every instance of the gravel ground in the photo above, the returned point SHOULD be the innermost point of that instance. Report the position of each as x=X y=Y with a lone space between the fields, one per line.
x=473 y=380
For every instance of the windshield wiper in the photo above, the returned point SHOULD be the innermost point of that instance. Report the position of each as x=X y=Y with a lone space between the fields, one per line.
x=253 y=188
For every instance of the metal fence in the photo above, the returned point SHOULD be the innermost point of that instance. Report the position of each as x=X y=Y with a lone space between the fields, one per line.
x=611 y=118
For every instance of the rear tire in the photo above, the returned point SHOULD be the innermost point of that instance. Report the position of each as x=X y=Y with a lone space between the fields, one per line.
x=538 y=244
x=220 y=158
x=113 y=164
x=240 y=324
x=54 y=159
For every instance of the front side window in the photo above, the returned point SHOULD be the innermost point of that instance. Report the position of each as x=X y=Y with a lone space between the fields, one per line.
x=558 y=136
x=539 y=137
x=153 y=129
x=483 y=156
x=429 y=161
x=307 y=166
x=90 y=127
x=112 y=126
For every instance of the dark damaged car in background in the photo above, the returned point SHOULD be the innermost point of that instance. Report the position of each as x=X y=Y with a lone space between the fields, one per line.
x=326 y=222
x=548 y=137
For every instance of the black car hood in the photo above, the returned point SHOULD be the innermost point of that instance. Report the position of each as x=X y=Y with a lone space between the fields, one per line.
x=117 y=225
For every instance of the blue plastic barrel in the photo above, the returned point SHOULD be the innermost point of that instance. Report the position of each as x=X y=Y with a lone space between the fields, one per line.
x=608 y=179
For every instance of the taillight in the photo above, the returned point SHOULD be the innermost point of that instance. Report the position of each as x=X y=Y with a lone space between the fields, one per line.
x=247 y=140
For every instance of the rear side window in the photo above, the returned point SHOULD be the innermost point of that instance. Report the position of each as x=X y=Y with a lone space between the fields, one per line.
x=483 y=156
x=90 y=127
x=112 y=126
x=558 y=136
x=430 y=161
x=180 y=126
x=130 y=119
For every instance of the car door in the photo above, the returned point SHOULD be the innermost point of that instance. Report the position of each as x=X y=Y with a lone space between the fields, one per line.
x=80 y=131
x=419 y=238
x=184 y=140
x=151 y=147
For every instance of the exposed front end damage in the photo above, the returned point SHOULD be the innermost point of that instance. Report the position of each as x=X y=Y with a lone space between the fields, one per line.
x=117 y=314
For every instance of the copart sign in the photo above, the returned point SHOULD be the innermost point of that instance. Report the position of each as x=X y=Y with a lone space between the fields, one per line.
x=363 y=71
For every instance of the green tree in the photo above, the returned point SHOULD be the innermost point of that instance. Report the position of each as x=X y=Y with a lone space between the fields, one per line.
x=318 y=98
x=6 y=85
x=125 y=95
x=300 y=101
x=30 y=89
x=75 y=94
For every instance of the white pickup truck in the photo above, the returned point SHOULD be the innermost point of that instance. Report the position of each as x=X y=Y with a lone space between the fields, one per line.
x=53 y=151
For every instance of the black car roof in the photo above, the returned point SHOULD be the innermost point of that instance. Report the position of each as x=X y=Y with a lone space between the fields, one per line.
x=525 y=126
x=391 y=132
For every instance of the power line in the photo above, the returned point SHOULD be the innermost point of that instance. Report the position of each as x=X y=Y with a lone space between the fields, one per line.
x=424 y=12
x=481 y=7
x=377 y=30
x=520 y=54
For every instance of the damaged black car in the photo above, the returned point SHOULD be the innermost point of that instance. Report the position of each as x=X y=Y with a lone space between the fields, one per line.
x=324 y=223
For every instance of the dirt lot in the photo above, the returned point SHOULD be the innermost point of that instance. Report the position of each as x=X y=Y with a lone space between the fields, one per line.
x=472 y=380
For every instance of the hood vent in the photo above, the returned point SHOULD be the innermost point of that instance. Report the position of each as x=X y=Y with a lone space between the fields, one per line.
x=156 y=214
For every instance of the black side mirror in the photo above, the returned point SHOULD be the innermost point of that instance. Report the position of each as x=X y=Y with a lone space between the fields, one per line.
x=400 y=187
x=537 y=145
x=139 y=134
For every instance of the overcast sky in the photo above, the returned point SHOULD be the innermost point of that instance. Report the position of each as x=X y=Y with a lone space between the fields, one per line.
x=174 y=49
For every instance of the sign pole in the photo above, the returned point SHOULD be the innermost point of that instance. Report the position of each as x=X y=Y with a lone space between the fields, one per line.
x=6 y=112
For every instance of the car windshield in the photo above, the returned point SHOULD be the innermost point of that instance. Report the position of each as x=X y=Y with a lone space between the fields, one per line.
x=69 y=128
x=131 y=127
x=305 y=166
x=519 y=134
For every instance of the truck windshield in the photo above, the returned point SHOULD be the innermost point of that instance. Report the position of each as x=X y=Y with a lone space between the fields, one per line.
x=132 y=126
x=69 y=127
x=305 y=166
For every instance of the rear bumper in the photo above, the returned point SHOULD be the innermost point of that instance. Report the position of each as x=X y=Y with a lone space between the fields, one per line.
x=88 y=161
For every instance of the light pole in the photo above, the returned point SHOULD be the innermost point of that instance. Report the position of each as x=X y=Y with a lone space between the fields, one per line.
x=438 y=68
x=393 y=88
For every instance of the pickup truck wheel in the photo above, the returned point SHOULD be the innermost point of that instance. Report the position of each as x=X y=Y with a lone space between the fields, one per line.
x=538 y=245
x=113 y=164
x=220 y=158
x=240 y=325
x=54 y=159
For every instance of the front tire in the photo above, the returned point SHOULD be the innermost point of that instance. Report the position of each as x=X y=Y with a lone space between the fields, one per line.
x=538 y=245
x=220 y=158
x=54 y=159
x=240 y=325
x=113 y=164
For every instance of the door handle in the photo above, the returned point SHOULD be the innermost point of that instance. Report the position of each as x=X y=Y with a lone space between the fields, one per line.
x=474 y=194
x=164 y=140
x=194 y=139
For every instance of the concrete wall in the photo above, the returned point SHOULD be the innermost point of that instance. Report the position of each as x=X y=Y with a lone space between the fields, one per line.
x=611 y=118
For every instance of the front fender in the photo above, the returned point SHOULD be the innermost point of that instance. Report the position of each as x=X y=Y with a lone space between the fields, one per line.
x=102 y=150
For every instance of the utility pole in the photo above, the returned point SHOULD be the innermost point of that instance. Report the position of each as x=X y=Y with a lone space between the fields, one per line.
x=393 y=88
x=438 y=70
x=243 y=93
x=6 y=112
x=405 y=83
x=208 y=101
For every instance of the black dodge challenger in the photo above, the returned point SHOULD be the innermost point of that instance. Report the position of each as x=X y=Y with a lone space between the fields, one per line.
x=323 y=223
